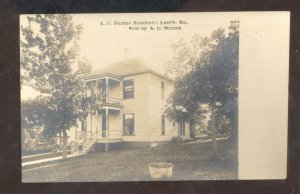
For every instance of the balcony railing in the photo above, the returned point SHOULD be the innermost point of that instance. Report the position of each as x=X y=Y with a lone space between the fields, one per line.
x=112 y=101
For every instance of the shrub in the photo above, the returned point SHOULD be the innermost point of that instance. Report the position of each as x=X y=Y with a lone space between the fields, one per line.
x=176 y=140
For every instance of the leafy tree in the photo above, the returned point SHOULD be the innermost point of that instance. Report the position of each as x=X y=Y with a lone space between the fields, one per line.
x=206 y=71
x=49 y=55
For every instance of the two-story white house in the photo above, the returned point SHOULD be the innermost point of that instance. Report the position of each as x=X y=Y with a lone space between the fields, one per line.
x=133 y=99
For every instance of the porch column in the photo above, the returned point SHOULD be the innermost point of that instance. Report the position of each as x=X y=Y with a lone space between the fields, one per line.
x=97 y=125
x=106 y=113
x=106 y=145
x=107 y=122
x=106 y=89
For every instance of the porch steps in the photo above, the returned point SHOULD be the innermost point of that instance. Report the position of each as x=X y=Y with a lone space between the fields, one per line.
x=88 y=146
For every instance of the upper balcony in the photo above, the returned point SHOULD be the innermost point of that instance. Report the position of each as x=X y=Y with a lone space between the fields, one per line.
x=112 y=102
x=109 y=87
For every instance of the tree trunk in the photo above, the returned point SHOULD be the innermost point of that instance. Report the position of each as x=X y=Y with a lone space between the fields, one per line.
x=65 y=142
x=213 y=132
x=60 y=140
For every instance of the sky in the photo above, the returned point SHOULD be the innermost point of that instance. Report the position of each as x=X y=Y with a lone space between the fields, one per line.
x=105 y=44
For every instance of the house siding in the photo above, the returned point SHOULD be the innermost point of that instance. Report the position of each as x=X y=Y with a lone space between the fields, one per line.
x=115 y=91
x=138 y=106
x=115 y=127
x=157 y=105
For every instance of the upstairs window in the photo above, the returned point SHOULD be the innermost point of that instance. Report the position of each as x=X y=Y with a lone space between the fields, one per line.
x=162 y=93
x=128 y=89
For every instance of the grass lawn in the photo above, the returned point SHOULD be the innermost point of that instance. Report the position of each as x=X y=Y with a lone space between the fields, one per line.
x=191 y=162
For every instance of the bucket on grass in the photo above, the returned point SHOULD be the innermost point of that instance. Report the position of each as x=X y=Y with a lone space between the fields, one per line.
x=160 y=170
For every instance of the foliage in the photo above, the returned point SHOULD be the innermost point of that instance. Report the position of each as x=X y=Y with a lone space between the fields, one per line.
x=206 y=71
x=50 y=65
x=176 y=140
x=31 y=139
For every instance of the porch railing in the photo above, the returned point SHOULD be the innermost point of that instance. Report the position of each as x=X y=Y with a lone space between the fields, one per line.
x=112 y=101
x=109 y=135
x=86 y=135
x=117 y=101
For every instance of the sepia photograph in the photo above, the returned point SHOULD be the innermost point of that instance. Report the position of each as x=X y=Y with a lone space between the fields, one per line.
x=130 y=97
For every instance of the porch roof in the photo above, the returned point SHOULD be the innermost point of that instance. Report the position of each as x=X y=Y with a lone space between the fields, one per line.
x=102 y=76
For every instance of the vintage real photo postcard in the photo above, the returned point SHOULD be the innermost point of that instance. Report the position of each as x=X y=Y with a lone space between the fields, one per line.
x=154 y=96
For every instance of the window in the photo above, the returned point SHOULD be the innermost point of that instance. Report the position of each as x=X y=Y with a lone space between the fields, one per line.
x=162 y=93
x=83 y=125
x=128 y=89
x=181 y=127
x=163 y=125
x=128 y=124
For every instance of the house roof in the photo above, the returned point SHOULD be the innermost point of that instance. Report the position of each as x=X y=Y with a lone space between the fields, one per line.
x=128 y=67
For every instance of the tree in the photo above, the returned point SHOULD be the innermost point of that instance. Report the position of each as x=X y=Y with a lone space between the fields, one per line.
x=49 y=55
x=206 y=70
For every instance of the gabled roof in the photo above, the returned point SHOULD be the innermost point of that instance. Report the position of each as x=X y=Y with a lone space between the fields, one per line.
x=128 y=67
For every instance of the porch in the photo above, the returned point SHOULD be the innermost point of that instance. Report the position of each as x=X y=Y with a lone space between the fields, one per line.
x=105 y=125
x=109 y=89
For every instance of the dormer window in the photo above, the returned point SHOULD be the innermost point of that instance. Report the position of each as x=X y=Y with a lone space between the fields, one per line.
x=128 y=89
